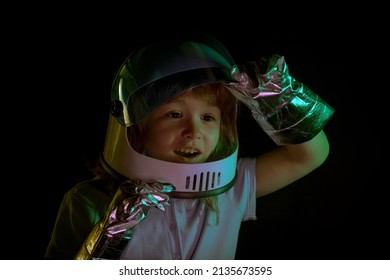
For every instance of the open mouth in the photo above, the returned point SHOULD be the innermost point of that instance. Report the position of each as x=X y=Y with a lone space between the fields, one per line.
x=188 y=153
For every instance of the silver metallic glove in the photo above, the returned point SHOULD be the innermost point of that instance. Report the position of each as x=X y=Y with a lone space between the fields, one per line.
x=130 y=205
x=287 y=110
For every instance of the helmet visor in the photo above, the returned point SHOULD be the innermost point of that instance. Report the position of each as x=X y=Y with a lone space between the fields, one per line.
x=161 y=70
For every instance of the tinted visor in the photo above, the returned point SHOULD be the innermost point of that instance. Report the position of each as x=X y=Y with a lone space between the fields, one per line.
x=162 y=70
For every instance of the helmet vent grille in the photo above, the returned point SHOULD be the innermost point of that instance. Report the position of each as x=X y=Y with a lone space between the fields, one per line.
x=203 y=181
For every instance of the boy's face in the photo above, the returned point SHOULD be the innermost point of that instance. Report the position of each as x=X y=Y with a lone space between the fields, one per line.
x=183 y=130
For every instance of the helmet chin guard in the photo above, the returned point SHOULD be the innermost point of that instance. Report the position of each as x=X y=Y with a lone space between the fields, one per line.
x=189 y=180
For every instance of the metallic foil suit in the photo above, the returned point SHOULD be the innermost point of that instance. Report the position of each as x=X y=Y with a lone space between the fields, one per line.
x=130 y=205
x=287 y=110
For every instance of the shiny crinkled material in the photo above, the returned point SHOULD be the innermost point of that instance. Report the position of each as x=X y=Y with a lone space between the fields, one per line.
x=130 y=205
x=287 y=110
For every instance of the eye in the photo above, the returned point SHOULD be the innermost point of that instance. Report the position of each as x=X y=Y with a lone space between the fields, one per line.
x=208 y=118
x=175 y=114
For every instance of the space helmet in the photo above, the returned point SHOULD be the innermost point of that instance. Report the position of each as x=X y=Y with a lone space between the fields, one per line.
x=153 y=73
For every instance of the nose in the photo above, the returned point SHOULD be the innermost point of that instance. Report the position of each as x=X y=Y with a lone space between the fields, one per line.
x=192 y=129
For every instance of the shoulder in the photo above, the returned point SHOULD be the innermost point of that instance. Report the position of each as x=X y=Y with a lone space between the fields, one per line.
x=88 y=191
x=245 y=177
x=246 y=165
x=86 y=200
x=242 y=196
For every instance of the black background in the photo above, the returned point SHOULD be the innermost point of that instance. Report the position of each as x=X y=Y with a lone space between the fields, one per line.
x=56 y=105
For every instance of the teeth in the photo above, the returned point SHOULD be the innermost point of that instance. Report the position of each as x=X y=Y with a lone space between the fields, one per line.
x=188 y=151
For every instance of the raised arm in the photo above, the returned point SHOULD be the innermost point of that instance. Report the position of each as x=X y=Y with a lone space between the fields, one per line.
x=286 y=164
x=290 y=113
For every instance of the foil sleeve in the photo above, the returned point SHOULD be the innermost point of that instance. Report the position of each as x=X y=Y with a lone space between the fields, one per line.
x=287 y=110
x=130 y=205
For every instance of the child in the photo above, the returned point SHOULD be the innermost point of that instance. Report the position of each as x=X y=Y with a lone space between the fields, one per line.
x=169 y=184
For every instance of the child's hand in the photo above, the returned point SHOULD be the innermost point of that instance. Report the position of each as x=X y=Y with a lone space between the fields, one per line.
x=271 y=90
x=287 y=110
x=262 y=78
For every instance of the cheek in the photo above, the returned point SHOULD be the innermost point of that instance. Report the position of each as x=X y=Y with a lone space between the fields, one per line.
x=155 y=140
x=212 y=136
x=216 y=137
